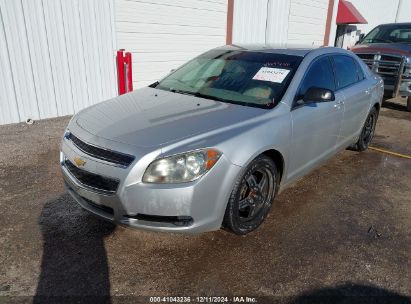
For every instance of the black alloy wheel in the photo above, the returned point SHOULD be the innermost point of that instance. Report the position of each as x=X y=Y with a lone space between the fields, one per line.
x=252 y=196
x=369 y=129
x=367 y=132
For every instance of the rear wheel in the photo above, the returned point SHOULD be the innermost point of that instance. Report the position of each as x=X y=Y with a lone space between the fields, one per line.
x=409 y=104
x=367 y=132
x=252 y=196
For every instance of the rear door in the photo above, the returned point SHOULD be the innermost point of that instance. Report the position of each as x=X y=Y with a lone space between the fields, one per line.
x=351 y=82
x=315 y=126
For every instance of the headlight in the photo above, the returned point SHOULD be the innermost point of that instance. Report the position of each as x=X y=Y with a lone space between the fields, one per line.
x=181 y=168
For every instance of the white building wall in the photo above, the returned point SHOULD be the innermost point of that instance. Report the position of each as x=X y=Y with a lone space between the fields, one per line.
x=278 y=21
x=260 y=21
x=250 y=21
x=307 y=22
x=299 y=22
x=56 y=57
x=164 y=34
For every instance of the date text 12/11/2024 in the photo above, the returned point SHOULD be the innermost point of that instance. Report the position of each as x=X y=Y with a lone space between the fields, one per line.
x=203 y=299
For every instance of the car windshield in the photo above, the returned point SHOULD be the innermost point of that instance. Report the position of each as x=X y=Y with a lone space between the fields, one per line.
x=395 y=33
x=247 y=78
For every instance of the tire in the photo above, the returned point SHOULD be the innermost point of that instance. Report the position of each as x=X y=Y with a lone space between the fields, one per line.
x=409 y=104
x=252 y=196
x=367 y=132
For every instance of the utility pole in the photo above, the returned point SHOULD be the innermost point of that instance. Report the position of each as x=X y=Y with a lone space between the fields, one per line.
x=398 y=10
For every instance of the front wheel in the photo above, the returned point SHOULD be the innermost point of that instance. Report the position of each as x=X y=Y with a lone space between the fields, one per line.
x=409 y=104
x=252 y=196
x=367 y=132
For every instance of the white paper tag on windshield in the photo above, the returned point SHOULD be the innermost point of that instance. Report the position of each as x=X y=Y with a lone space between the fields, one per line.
x=271 y=74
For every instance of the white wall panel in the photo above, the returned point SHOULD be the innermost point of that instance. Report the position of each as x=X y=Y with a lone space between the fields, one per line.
x=250 y=21
x=40 y=57
x=277 y=22
x=163 y=34
x=57 y=57
x=9 y=111
x=307 y=21
x=280 y=21
x=20 y=71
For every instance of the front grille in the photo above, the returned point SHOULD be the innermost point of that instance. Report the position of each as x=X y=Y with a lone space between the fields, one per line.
x=91 y=180
x=108 y=155
x=389 y=67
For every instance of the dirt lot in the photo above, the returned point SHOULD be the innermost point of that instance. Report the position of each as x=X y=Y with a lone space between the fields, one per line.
x=343 y=230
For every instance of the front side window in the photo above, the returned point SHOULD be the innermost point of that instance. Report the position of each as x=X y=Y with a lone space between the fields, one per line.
x=248 y=78
x=345 y=71
x=319 y=75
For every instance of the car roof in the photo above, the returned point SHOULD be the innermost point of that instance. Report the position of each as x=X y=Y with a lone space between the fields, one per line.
x=398 y=23
x=286 y=49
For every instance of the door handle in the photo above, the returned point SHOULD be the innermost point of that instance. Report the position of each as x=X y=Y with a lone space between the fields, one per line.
x=338 y=104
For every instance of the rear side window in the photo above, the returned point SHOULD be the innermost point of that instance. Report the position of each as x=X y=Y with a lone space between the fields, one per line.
x=346 y=71
x=319 y=75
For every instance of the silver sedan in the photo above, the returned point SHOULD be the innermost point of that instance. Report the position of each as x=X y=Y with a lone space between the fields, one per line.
x=212 y=143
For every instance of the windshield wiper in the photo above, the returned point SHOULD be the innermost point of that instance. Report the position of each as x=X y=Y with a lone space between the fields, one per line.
x=182 y=92
x=201 y=95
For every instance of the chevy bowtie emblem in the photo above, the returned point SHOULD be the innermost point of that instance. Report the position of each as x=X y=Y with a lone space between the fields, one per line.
x=79 y=162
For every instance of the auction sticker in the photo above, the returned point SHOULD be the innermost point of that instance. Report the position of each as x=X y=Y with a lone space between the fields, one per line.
x=271 y=74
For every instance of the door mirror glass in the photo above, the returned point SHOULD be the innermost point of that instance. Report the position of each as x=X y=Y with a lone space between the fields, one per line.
x=314 y=94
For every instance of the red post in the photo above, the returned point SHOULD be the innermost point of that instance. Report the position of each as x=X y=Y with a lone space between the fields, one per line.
x=129 y=73
x=120 y=72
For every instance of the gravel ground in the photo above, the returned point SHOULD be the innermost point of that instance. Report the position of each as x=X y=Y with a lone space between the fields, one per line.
x=342 y=230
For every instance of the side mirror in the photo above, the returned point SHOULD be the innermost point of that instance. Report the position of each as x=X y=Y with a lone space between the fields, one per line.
x=318 y=95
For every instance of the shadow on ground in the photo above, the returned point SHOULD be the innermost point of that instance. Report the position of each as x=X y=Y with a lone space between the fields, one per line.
x=74 y=261
x=394 y=106
x=351 y=294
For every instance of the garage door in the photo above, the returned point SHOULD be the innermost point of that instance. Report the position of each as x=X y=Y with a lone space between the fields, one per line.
x=56 y=57
x=162 y=35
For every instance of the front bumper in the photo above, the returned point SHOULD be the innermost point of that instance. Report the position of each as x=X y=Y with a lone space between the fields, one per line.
x=193 y=207
x=405 y=87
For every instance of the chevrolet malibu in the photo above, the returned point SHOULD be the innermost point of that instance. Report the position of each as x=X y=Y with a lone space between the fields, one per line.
x=212 y=143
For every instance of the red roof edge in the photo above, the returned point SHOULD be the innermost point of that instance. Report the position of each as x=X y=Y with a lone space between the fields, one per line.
x=348 y=14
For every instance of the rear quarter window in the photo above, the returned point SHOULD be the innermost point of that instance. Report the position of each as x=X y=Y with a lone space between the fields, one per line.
x=346 y=71
x=360 y=71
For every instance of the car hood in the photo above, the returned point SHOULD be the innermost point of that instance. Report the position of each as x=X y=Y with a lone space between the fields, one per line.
x=150 y=117
x=393 y=48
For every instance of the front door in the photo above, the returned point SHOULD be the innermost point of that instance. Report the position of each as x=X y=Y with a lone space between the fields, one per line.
x=315 y=126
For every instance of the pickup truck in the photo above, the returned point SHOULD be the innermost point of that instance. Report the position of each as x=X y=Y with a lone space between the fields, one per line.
x=387 y=51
